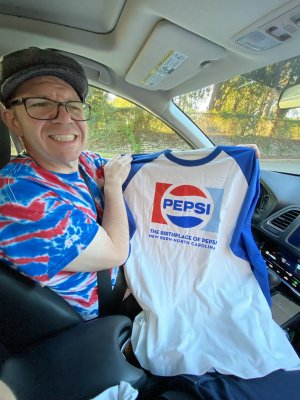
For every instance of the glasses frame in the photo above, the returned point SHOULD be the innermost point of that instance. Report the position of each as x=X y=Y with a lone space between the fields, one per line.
x=23 y=101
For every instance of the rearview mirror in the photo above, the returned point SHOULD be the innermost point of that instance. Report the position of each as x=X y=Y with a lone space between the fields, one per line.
x=290 y=97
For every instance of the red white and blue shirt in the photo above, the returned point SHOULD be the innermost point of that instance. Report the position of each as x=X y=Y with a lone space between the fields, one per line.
x=46 y=220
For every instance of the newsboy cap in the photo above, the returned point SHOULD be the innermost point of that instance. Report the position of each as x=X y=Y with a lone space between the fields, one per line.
x=21 y=65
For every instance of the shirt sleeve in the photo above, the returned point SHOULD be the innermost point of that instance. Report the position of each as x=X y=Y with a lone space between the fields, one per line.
x=243 y=243
x=41 y=233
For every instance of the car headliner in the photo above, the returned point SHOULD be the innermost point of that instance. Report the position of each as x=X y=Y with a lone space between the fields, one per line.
x=120 y=41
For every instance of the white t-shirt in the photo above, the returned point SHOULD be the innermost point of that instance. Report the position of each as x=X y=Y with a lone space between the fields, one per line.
x=195 y=269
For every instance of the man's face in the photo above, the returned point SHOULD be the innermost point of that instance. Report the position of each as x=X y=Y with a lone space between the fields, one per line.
x=54 y=144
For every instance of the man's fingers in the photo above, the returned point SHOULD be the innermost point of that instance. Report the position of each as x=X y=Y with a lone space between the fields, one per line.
x=125 y=160
x=254 y=146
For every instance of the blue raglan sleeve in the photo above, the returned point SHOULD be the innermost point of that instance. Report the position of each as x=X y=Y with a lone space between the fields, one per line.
x=243 y=244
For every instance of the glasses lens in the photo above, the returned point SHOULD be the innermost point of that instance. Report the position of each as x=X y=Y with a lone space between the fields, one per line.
x=78 y=111
x=41 y=108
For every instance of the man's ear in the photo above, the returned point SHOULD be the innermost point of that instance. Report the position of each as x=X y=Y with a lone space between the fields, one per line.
x=11 y=121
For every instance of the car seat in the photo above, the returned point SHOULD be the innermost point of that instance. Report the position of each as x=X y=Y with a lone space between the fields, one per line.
x=4 y=144
x=48 y=352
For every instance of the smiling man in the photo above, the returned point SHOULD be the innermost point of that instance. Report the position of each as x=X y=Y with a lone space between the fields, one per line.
x=56 y=131
x=53 y=227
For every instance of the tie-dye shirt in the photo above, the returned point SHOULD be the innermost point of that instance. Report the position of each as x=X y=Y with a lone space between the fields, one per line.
x=46 y=220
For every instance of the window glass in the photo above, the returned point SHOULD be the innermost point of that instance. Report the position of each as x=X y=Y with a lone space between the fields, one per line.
x=13 y=149
x=119 y=126
x=245 y=109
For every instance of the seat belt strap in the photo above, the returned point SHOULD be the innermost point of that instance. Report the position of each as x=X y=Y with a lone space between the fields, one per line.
x=104 y=292
x=111 y=298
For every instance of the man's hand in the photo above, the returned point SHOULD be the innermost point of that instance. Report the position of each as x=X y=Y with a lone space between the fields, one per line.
x=254 y=146
x=117 y=169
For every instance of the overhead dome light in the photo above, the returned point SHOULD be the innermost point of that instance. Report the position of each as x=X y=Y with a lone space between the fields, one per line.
x=271 y=34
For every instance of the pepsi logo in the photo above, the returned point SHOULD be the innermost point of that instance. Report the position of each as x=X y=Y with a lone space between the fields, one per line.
x=186 y=206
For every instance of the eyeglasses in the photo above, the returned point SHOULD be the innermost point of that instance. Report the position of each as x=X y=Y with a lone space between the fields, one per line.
x=45 y=109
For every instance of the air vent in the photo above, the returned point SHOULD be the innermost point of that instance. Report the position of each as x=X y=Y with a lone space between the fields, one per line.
x=281 y=222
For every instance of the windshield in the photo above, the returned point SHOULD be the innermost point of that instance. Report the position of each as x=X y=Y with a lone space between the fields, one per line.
x=245 y=109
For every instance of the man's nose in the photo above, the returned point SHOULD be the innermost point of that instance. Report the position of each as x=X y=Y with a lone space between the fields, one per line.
x=63 y=113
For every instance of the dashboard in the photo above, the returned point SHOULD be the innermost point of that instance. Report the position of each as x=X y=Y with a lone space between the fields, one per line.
x=276 y=226
x=276 y=229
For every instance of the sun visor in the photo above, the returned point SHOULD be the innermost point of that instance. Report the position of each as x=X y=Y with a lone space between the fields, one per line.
x=170 y=56
x=99 y=16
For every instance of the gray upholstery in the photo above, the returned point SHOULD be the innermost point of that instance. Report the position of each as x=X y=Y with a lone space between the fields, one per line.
x=30 y=312
x=76 y=364
x=48 y=352
x=4 y=144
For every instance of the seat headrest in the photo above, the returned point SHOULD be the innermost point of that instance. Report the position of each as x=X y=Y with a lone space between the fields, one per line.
x=4 y=144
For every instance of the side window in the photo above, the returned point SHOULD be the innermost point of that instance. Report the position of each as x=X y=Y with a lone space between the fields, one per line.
x=13 y=149
x=119 y=126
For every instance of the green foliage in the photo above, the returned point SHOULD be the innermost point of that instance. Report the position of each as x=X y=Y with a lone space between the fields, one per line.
x=240 y=125
x=246 y=105
x=117 y=125
x=240 y=110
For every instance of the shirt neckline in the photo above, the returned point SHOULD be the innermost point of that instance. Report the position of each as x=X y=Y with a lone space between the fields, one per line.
x=190 y=163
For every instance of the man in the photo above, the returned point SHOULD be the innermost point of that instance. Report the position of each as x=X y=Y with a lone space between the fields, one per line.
x=48 y=218
x=48 y=224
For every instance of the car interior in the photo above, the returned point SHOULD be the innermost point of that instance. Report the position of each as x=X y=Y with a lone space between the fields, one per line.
x=150 y=53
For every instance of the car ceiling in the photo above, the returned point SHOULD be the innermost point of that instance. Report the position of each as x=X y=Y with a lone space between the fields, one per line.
x=152 y=50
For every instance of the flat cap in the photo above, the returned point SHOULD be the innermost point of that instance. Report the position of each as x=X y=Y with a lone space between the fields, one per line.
x=21 y=65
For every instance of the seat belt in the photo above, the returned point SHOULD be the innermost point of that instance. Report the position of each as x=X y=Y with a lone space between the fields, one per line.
x=111 y=298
